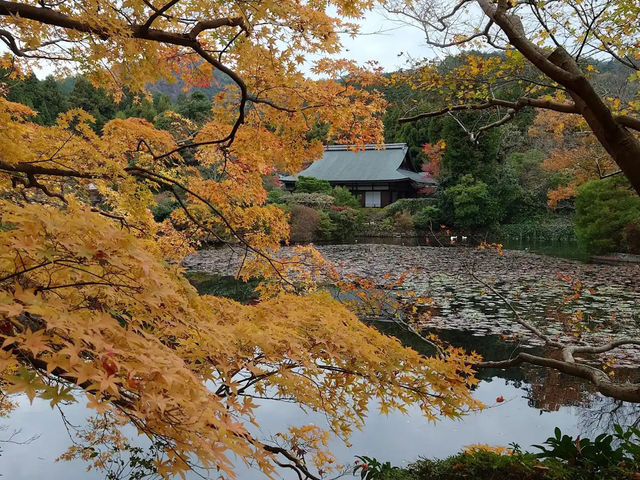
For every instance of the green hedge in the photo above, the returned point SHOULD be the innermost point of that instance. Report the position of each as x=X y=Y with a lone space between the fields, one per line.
x=411 y=205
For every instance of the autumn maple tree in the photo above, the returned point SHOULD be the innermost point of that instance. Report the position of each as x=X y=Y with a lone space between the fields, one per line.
x=576 y=154
x=510 y=57
x=520 y=54
x=93 y=301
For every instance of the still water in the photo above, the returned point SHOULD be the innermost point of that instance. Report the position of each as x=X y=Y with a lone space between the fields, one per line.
x=535 y=402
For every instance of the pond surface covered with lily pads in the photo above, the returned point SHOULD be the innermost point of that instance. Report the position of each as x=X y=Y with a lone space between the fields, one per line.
x=473 y=291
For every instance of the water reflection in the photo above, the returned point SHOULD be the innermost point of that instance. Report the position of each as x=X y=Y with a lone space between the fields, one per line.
x=535 y=402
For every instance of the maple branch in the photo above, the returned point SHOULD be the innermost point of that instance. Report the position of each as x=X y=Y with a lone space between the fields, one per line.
x=159 y=12
x=32 y=169
x=628 y=392
x=628 y=121
x=143 y=32
x=496 y=102
x=602 y=381
x=169 y=182
x=294 y=460
x=23 y=271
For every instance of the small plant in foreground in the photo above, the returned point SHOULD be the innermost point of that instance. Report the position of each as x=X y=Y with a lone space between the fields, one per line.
x=372 y=469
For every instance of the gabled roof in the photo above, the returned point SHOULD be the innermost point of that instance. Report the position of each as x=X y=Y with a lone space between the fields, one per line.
x=376 y=163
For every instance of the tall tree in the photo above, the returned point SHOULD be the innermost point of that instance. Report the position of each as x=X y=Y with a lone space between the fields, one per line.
x=93 y=301
x=548 y=49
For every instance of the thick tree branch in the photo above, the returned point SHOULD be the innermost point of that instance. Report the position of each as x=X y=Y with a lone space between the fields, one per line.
x=143 y=32
x=628 y=392
x=496 y=102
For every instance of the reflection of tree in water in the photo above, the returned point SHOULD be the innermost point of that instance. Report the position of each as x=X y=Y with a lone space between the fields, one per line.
x=546 y=389
x=605 y=412
x=549 y=390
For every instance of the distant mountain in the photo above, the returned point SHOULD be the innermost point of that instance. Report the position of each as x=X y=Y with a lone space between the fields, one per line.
x=175 y=89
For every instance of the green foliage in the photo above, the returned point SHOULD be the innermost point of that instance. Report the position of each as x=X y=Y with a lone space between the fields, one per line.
x=548 y=229
x=95 y=101
x=320 y=132
x=44 y=96
x=131 y=462
x=343 y=197
x=533 y=180
x=371 y=469
x=608 y=456
x=312 y=185
x=425 y=218
x=278 y=196
x=143 y=107
x=224 y=286
x=592 y=455
x=196 y=106
x=316 y=200
x=603 y=209
x=472 y=205
x=163 y=208
x=346 y=223
x=411 y=205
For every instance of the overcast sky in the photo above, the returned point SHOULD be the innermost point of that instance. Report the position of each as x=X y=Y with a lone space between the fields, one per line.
x=390 y=43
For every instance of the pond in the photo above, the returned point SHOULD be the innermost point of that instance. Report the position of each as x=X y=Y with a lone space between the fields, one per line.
x=562 y=249
x=535 y=400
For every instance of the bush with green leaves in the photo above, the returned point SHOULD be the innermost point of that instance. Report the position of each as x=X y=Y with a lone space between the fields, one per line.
x=426 y=218
x=604 y=209
x=312 y=185
x=163 y=208
x=343 y=198
x=548 y=228
x=314 y=200
x=607 y=457
x=369 y=468
x=347 y=223
x=473 y=206
x=278 y=196
x=411 y=205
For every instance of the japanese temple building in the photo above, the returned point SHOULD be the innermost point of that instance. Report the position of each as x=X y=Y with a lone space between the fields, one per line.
x=378 y=175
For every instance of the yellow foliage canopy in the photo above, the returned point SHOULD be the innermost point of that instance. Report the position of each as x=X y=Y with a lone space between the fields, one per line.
x=92 y=298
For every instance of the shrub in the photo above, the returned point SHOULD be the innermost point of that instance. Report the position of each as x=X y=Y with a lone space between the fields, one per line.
x=403 y=222
x=425 y=218
x=278 y=195
x=326 y=230
x=305 y=223
x=316 y=200
x=604 y=208
x=312 y=185
x=552 y=228
x=343 y=197
x=347 y=222
x=411 y=205
x=163 y=209
x=472 y=204
x=565 y=458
